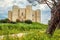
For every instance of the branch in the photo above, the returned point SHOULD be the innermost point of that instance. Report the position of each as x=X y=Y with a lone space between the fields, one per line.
x=50 y=2
x=54 y=2
x=56 y=10
x=47 y=4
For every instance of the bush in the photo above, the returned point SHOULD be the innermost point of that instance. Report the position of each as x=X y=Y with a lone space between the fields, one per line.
x=5 y=21
x=17 y=20
x=28 y=21
x=13 y=22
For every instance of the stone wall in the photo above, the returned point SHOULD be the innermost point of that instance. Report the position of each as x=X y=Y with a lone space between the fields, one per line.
x=38 y=16
x=24 y=14
x=28 y=12
x=10 y=15
x=15 y=13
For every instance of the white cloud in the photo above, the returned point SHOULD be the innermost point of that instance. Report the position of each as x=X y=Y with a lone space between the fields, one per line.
x=8 y=3
x=43 y=6
x=5 y=3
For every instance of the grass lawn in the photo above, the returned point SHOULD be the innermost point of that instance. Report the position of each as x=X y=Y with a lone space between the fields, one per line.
x=36 y=35
x=9 y=28
x=34 y=31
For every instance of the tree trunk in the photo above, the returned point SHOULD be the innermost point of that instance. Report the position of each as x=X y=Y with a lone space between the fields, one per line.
x=55 y=20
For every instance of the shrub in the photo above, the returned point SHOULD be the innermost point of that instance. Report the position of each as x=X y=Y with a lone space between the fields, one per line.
x=28 y=21
x=17 y=20
x=13 y=22
x=5 y=21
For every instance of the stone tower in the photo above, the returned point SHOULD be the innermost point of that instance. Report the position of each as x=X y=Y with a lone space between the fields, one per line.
x=38 y=15
x=15 y=13
x=23 y=14
x=10 y=15
x=28 y=12
x=33 y=16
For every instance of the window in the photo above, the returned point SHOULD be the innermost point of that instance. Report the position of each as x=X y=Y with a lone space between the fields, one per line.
x=32 y=14
x=22 y=14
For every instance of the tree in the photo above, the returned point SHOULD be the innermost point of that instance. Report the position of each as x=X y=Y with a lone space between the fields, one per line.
x=54 y=5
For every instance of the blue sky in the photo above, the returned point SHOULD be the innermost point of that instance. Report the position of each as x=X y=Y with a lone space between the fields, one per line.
x=6 y=5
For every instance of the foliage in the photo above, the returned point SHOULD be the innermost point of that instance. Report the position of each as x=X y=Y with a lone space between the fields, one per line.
x=17 y=20
x=13 y=22
x=34 y=31
x=4 y=21
x=28 y=21
x=19 y=27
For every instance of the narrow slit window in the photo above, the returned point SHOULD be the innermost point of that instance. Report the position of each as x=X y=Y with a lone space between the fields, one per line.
x=22 y=14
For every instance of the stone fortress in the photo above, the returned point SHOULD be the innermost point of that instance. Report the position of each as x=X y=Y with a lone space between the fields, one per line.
x=24 y=14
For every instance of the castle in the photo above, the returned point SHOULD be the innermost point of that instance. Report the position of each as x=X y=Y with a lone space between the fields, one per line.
x=24 y=14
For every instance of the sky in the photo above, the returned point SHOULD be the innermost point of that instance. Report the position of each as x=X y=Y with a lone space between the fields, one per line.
x=6 y=5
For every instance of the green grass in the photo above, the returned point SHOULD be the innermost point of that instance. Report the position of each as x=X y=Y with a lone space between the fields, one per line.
x=9 y=28
x=34 y=31
x=36 y=35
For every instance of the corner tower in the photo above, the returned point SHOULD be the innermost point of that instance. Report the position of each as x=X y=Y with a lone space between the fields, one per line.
x=10 y=15
x=15 y=13
x=38 y=15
